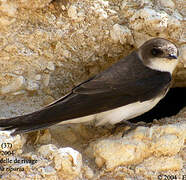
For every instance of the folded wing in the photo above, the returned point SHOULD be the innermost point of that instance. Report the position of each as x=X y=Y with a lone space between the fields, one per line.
x=123 y=83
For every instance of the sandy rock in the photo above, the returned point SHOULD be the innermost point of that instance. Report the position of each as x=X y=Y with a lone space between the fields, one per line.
x=9 y=143
x=67 y=162
x=48 y=100
x=164 y=138
x=48 y=162
x=136 y=147
x=32 y=86
x=119 y=152
x=47 y=47
x=161 y=164
x=183 y=55
x=168 y=3
x=90 y=31
x=51 y=66
x=180 y=73
x=32 y=4
x=48 y=151
x=150 y=151
x=154 y=22
x=101 y=13
x=66 y=54
x=16 y=84
x=8 y=8
x=74 y=158
x=38 y=77
x=121 y=34
x=89 y=174
x=46 y=79
x=72 y=12
x=6 y=21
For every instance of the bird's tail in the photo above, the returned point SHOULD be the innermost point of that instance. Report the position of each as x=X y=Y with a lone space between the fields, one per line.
x=27 y=123
x=48 y=116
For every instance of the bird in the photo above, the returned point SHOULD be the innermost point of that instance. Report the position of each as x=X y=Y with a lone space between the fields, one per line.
x=127 y=89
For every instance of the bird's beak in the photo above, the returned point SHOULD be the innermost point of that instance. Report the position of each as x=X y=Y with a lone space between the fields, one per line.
x=172 y=56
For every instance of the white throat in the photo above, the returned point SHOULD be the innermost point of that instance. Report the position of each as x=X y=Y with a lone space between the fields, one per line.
x=162 y=64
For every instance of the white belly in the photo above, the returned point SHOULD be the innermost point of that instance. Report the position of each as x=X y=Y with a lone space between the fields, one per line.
x=118 y=114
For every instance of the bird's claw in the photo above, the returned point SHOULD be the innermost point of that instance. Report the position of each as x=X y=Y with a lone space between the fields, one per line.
x=134 y=126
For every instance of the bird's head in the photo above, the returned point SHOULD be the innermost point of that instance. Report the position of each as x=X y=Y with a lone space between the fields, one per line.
x=159 y=54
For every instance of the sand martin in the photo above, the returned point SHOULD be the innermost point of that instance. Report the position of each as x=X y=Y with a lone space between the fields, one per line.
x=127 y=89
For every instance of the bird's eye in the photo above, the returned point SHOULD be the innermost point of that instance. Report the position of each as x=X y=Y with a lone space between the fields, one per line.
x=156 y=51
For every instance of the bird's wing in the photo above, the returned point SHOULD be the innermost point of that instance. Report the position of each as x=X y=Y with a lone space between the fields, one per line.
x=123 y=83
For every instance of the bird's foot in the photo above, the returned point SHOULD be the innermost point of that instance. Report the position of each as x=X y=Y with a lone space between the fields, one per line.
x=123 y=124
x=132 y=126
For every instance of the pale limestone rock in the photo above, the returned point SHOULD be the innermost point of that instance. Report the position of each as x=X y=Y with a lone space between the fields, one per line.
x=51 y=66
x=121 y=34
x=38 y=77
x=72 y=12
x=18 y=72
x=9 y=143
x=136 y=147
x=161 y=164
x=89 y=174
x=67 y=161
x=153 y=21
x=66 y=53
x=44 y=137
x=164 y=138
x=38 y=166
x=32 y=4
x=58 y=44
x=6 y=21
x=8 y=8
x=102 y=14
x=46 y=79
x=119 y=152
x=167 y=3
x=140 y=38
x=33 y=48
x=104 y=3
x=183 y=55
x=18 y=92
x=139 y=150
x=98 y=9
x=32 y=86
x=163 y=145
x=76 y=14
x=16 y=84
x=48 y=100
x=74 y=157
x=180 y=74
x=49 y=171
x=48 y=151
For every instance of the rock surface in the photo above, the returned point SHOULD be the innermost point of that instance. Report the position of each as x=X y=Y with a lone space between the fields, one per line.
x=85 y=152
x=46 y=48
